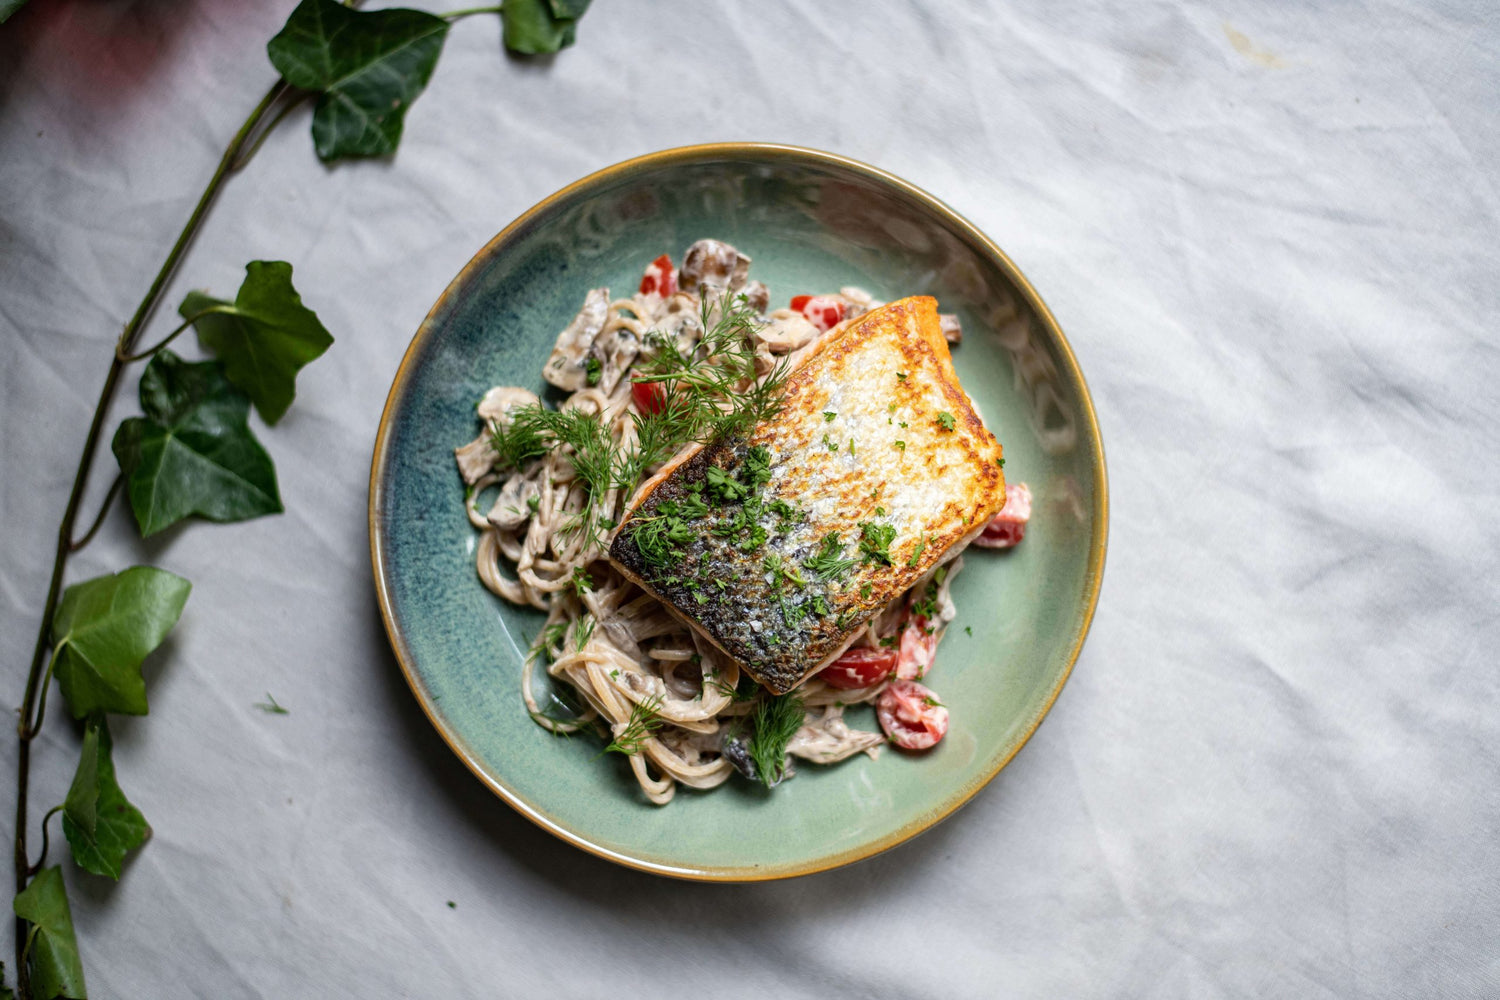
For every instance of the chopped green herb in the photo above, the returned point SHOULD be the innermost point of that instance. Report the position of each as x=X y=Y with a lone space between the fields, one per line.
x=594 y=371
x=916 y=553
x=831 y=444
x=900 y=445
x=947 y=420
x=828 y=415
x=901 y=376
x=583 y=631
x=865 y=590
x=875 y=541
x=270 y=707
x=535 y=503
x=851 y=447
x=581 y=580
x=968 y=631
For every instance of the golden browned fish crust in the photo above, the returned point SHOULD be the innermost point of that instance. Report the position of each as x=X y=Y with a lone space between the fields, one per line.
x=781 y=546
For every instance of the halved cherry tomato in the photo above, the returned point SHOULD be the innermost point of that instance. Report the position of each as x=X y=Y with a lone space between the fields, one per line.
x=859 y=668
x=649 y=397
x=911 y=715
x=822 y=311
x=918 y=647
x=660 y=277
x=1007 y=528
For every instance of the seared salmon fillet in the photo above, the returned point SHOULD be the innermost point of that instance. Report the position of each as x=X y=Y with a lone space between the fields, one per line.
x=780 y=545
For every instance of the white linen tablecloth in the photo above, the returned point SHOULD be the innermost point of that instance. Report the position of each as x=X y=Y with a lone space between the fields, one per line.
x=1270 y=233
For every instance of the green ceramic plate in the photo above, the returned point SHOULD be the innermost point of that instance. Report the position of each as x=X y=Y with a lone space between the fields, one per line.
x=812 y=222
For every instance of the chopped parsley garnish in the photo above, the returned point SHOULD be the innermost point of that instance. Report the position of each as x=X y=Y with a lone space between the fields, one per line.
x=831 y=444
x=594 y=370
x=947 y=420
x=901 y=376
x=723 y=486
x=875 y=541
x=828 y=415
x=916 y=553
x=535 y=503
x=865 y=590
x=900 y=445
x=969 y=631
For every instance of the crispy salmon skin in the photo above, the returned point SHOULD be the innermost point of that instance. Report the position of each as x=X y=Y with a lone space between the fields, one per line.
x=780 y=545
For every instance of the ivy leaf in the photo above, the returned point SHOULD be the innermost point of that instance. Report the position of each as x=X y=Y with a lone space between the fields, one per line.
x=56 y=970
x=263 y=337
x=99 y=821
x=537 y=27
x=573 y=9
x=104 y=628
x=367 y=66
x=193 y=453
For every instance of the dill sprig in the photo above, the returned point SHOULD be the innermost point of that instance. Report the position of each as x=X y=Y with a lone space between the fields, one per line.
x=517 y=444
x=638 y=729
x=776 y=721
x=829 y=560
x=548 y=642
x=714 y=390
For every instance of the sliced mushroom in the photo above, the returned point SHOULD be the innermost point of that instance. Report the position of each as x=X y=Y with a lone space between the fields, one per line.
x=827 y=738
x=567 y=368
x=787 y=331
x=513 y=506
x=757 y=296
x=476 y=458
x=680 y=325
x=712 y=264
x=615 y=352
x=500 y=402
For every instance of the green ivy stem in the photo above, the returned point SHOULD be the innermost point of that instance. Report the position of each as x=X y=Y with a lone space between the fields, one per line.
x=181 y=328
x=46 y=839
x=26 y=730
x=454 y=15
x=29 y=734
x=287 y=108
x=109 y=498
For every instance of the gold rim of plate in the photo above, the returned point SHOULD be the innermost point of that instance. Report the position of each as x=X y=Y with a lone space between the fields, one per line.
x=769 y=152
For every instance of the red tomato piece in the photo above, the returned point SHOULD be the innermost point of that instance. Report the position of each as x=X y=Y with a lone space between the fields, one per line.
x=660 y=277
x=918 y=648
x=649 y=397
x=1007 y=528
x=822 y=311
x=911 y=715
x=859 y=668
